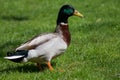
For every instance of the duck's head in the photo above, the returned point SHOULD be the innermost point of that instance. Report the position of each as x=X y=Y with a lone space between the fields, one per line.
x=65 y=12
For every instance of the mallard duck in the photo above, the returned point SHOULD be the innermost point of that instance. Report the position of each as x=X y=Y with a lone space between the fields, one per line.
x=44 y=47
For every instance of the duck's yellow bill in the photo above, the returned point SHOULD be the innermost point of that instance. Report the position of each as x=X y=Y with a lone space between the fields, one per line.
x=76 y=13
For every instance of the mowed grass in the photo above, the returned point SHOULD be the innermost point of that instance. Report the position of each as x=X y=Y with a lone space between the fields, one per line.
x=94 y=53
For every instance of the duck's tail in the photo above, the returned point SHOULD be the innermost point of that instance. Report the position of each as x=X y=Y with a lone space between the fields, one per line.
x=17 y=56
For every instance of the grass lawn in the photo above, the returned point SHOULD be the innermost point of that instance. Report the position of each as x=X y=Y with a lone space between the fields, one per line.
x=94 y=53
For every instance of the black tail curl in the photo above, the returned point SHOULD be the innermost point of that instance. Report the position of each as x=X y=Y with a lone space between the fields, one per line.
x=18 y=52
x=23 y=53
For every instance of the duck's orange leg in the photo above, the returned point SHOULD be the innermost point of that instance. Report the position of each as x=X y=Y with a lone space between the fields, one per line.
x=50 y=66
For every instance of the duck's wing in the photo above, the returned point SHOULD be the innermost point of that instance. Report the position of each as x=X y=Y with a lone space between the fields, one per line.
x=36 y=41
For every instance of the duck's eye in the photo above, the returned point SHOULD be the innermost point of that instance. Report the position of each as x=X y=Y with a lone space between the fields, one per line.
x=68 y=11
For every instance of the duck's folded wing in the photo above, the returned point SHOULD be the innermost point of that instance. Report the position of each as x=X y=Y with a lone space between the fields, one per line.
x=36 y=41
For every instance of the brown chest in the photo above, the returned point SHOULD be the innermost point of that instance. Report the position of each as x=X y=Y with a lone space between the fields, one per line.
x=64 y=30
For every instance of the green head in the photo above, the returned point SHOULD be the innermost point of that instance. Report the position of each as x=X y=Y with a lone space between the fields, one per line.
x=65 y=12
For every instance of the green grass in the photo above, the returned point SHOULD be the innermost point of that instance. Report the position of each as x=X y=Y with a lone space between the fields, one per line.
x=94 y=53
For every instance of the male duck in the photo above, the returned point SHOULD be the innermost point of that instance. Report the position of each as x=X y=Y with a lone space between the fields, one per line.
x=43 y=48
